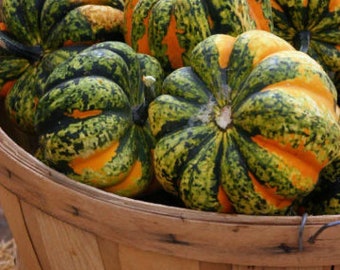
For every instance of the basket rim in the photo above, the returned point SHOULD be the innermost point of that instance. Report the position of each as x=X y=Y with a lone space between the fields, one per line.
x=16 y=153
x=169 y=230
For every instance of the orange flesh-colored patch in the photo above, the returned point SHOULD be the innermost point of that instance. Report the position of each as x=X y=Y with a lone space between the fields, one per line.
x=96 y=161
x=2 y=26
x=130 y=180
x=77 y=114
x=128 y=13
x=6 y=88
x=143 y=42
x=210 y=22
x=304 y=161
x=265 y=44
x=276 y=6
x=224 y=201
x=174 y=50
x=269 y=194
x=256 y=12
x=69 y=42
x=334 y=5
x=225 y=45
x=312 y=87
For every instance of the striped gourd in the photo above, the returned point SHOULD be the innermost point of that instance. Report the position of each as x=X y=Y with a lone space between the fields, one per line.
x=325 y=198
x=169 y=30
x=92 y=120
x=33 y=29
x=246 y=127
x=312 y=26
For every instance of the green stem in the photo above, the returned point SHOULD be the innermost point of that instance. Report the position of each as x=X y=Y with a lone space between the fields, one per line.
x=31 y=53
x=140 y=112
x=302 y=41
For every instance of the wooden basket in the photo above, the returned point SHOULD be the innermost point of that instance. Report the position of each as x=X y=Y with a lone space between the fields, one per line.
x=60 y=224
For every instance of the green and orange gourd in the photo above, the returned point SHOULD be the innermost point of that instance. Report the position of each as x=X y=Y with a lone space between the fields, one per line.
x=169 y=30
x=311 y=26
x=247 y=127
x=31 y=33
x=92 y=121
x=325 y=198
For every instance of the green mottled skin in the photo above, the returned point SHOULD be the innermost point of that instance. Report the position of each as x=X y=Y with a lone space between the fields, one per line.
x=105 y=78
x=75 y=26
x=51 y=23
x=11 y=67
x=140 y=13
x=194 y=155
x=194 y=21
x=54 y=12
x=48 y=26
x=235 y=179
x=191 y=27
x=21 y=100
x=22 y=18
x=233 y=22
x=325 y=198
x=319 y=20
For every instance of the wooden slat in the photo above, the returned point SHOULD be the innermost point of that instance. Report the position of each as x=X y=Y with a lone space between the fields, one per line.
x=132 y=258
x=12 y=209
x=240 y=267
x=62 y=245
x=215 y=266
x=110 y=254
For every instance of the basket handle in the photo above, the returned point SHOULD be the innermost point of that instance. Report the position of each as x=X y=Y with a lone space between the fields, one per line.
x=322 y=228
x=313 y=237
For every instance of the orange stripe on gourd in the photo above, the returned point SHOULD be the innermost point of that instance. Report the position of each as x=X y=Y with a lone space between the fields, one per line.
x=297 y=88
x=304 y=161
x=3 y=26
x=77 y=114
x=226 y=205
x=276 y=6
x=95 y=161
x=334 y=5
x=143 y=42
x=225 y=45
x=129 y=180
x=256 y=13
x=306 y=84
x=269 y=194
x=266 y=45
x=6 y=88
x=128 y=15
x=174 y=49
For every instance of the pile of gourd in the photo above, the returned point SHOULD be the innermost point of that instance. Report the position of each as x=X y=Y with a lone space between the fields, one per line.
x=230 y=106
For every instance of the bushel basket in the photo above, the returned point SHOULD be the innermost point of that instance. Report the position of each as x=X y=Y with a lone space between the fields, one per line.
x=58 y=223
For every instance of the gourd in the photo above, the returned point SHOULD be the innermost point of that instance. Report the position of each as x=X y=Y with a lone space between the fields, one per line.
x=92 y=121
x=246 y=127
x=325 y=198
x=169 y=30
x=311 y=26
x=33 y=29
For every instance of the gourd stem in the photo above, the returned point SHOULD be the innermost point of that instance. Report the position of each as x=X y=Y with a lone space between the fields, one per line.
x=303 y=41
x=31 y=53
x=140 y=113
